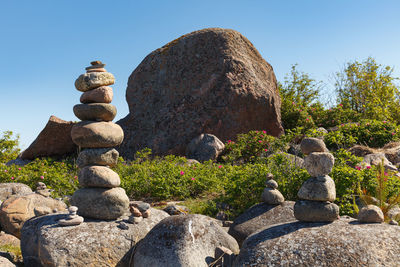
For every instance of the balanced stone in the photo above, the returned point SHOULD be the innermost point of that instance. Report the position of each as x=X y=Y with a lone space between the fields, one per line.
x=271 y=184
x=321 y=188
x=103 y=94
x=142 y=206
x=319 y=163
x=311 y=144
x=88 y=81
x=98 y=156
x=98 y=176
x=316 y=211
x=96 y=70
x=72 y=219
x=92 y=134
x=95 y=112
x=101 y=203
x=272 y=196
x=370 y=214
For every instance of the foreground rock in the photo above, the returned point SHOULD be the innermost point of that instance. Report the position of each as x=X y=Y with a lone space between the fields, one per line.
x=370 y=214
x=13 y=189
x=16 y=210
x=209 y=81
x=92 y=243
x=4 y=262
x=53 y=141
x=184 y=240
x=101 y=203
x=260 y=216
x=341 y=243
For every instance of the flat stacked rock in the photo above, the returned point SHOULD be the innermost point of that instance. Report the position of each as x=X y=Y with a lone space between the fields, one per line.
x=72 y=219
x=317 y=193
x=101 y=197
x=271 y=194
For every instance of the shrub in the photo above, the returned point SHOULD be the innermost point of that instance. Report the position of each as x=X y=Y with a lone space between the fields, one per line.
x=58 y=175
x=251 y=147
x=8 y=147
x=367 y=132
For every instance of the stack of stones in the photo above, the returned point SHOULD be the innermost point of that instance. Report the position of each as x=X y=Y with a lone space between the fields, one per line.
x=139 y=210
x=317 y=193
x=271 y=194
x=72 y=219
x=101 y=197
x=42 y=189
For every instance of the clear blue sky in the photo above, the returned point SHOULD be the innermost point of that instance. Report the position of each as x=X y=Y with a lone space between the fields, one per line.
x=46 y=44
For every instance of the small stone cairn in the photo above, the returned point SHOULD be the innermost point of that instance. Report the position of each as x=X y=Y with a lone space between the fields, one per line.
x=72 y=219
x=139 y=210
x=317 y=193
x=101 y=197
x=42 y=189
x=271 y=194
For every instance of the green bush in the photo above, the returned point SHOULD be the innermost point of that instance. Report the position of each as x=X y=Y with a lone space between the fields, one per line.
x=370 y=133
x=251 y=147
x=8 y=147
x=58 y=175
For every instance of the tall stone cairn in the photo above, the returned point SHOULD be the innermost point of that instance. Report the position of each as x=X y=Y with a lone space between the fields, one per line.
x=317 y=193
x=100 y=196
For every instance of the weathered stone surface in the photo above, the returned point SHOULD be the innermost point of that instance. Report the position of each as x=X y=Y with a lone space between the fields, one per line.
x=16 y=210
x=311 y=144
x=272 y=196
x=271 y=184
x=341 y=243
x=377 y=158
x=4 y=262
x=315 y=211
x=319 y=163
x=98 y=156
x=205 y=147
x=321 y=188
x=370 y=214
x=13 y=189
x=92 y=243
x=185 y=240
x=361 y=151
x=91 y=80
x=103 y=94
x=259 y=216
x=92 y=134
x=209 y=81
x=101 y=203
x=7 y=239
x=95 y=112
x=98 y=176
x=53 y=141
x=223 y=257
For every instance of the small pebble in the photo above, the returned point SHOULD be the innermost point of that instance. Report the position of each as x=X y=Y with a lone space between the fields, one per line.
x=271 y=184
x=123 y=226
x=393 y=222
x=146 y=214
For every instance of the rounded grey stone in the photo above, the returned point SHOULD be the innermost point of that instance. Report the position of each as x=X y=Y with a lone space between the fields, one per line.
x=101 y=203
x=271 y=184
x=316 y=211
x=370 y=214
x=92 y=134
x=321 y=188
x=88 y=81
x=205 y=147
x=272 y=196
x=311 y=144
x=319 y=163
x=97 y=156
x=103 y=94
x=95 y=112
x=98 y=176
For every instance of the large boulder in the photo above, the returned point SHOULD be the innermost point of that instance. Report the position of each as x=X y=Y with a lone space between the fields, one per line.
x=53 y=141
x=17 y=209
x=209 y=81
x=13 y=189
x=259 y=216
x=183 y=240
x=92 y=243
x=343 y=242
